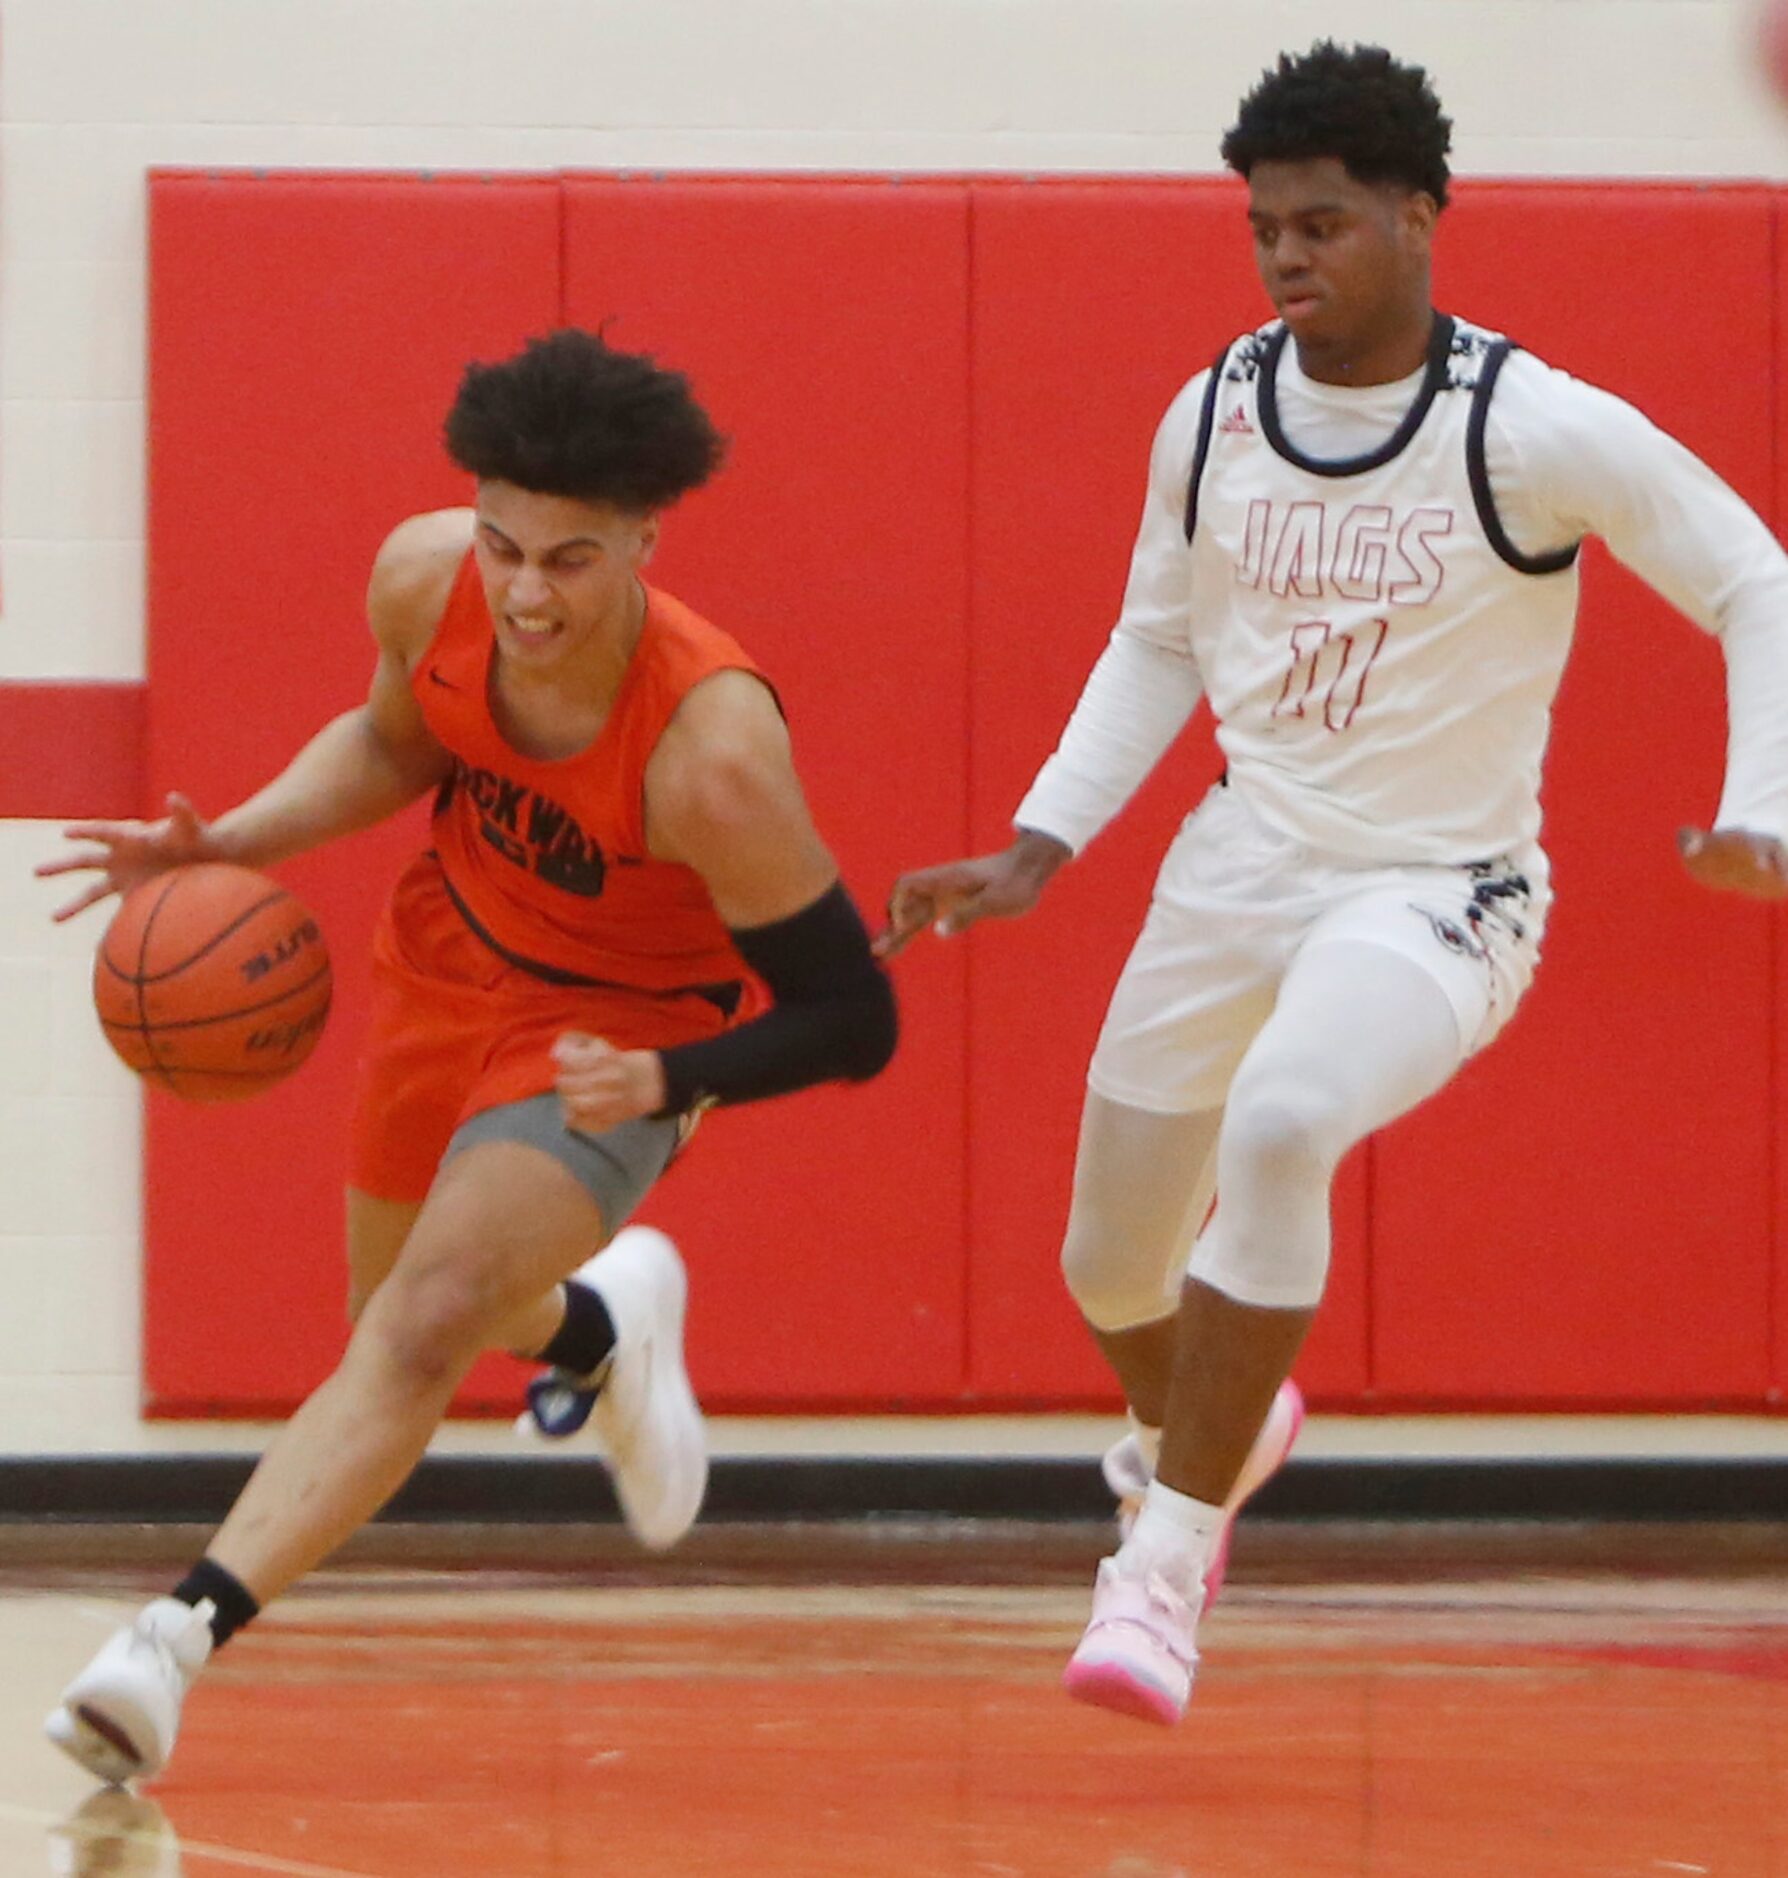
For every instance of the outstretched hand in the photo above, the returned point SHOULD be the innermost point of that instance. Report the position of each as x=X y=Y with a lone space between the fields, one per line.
x=126 y=854
x=1733 y=860
x=953 y=895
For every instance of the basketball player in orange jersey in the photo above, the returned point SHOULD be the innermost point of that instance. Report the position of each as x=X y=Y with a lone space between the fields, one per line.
x=620 y=854
x=1360 y=539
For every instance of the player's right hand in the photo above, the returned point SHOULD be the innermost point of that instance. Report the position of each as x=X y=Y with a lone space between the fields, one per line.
x=952 y=896
x=125 y=854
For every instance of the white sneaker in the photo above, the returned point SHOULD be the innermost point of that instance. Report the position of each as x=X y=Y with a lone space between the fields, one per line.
x=1137 y=1655
x=1128 y=1475
x=119 y=1716
x=640 y=1403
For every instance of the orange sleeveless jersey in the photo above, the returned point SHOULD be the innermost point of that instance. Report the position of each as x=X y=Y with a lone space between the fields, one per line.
x=546 y=860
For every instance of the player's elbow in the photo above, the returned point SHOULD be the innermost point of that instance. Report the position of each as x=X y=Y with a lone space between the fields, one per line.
x=875 y=1027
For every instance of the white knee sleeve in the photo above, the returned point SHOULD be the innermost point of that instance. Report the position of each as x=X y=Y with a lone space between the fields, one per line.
x=1359 y=1036
x=1142 y=1184
x=1114 y=1290
x=1269 y=1242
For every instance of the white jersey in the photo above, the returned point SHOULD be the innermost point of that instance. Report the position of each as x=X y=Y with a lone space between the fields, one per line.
x=1377 y=588
x=1377 y=596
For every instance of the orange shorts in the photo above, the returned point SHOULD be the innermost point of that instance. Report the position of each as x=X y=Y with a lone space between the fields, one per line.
x=454 y=1030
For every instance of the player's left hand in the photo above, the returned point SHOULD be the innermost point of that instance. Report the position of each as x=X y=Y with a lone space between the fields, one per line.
x=1733 y=860
x=601 y=1087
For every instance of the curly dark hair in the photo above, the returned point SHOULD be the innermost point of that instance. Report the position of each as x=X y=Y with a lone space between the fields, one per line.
x=571 y=416
x=1356 y=103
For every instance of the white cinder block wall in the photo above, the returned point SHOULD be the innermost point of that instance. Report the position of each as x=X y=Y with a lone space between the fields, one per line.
x=94 y=92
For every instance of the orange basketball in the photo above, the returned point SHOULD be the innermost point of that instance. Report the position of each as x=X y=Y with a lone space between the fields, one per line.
x=212 y=981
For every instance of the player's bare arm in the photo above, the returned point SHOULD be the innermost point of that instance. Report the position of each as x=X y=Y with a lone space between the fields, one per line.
x=723 y=798
x=359 y=768
x=379 y=757
x=954 y=894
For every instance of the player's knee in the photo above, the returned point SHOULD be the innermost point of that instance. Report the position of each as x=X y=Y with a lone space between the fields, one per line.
x=1280 y=1128
x=429 y=1325
x=1111 y=1287
x=1269 y=1243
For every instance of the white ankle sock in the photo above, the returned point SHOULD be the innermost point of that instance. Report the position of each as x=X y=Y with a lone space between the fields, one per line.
x=1173 y=1535
x=1148 y=1441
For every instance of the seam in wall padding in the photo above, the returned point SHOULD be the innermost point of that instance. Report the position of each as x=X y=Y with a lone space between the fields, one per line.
x=824 y=325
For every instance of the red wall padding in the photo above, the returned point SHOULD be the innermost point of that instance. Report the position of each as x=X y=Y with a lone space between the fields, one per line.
x=1585 y=1215
x=941 y=396
x=1779 y=1087
x=306 y=335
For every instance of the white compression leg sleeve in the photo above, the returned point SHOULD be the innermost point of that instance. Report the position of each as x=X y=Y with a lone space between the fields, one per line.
x=1142 y=1186
x=1360 y=1034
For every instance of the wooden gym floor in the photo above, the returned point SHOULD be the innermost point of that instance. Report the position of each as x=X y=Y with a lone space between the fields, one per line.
x=1451 y=1701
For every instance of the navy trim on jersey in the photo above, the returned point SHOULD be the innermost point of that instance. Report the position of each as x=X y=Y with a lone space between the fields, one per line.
x=1478 y=474
x=725 y=998
x=1207 y=417
x=1434 y=376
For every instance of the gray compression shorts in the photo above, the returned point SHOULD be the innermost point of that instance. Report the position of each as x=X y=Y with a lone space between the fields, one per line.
x=615 y=1168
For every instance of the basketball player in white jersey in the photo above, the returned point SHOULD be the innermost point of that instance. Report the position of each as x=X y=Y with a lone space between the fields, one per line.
x=1360 y=543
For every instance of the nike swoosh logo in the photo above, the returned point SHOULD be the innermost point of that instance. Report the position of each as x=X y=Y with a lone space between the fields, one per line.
x=445 y=684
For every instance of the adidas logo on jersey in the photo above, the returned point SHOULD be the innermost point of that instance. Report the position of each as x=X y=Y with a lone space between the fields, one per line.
x=1236 y=424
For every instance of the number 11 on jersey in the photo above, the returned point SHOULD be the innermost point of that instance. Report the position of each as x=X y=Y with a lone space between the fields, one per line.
x=1332 y=665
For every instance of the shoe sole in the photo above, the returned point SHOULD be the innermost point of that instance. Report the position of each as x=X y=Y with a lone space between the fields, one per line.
x=94 y=1741
x=1109 y=1686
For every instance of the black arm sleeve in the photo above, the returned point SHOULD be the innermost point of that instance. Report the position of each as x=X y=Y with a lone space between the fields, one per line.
x=833 y=1017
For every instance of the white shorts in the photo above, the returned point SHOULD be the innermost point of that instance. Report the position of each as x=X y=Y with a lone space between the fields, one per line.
x=1236 y=901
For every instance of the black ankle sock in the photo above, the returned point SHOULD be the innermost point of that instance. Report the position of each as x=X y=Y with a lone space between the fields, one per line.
x=587 y=1335
x=230 y=1597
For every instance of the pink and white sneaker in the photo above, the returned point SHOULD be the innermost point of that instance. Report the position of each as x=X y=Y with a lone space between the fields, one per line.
x=1127 y=1475
x=1137 y=1655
